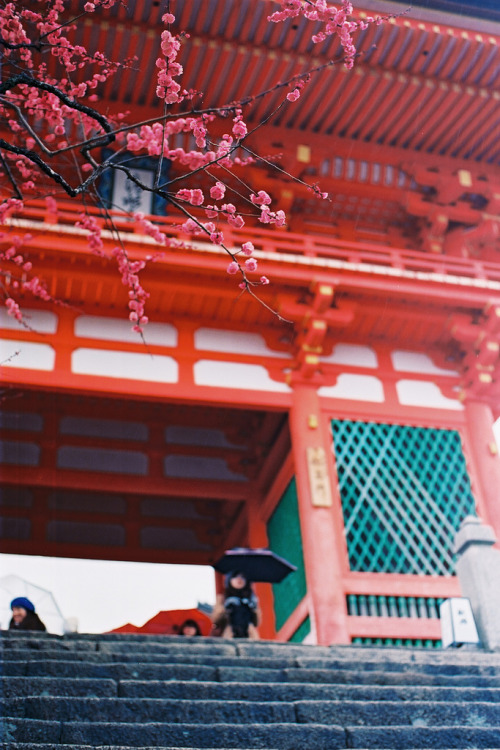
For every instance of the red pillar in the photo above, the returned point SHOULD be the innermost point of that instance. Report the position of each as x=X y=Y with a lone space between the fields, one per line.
x=257 y=537
x=486 y=459
x=321 y=526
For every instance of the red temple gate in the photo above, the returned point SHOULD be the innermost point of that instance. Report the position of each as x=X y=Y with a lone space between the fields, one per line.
x=353 y=431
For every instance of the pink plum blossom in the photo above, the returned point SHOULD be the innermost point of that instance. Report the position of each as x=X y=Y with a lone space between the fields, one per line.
x=251 y=264
x=217 y=192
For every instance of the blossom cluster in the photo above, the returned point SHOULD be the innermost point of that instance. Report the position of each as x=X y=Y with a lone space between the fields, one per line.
x=50 y=86
x=129 y=271
x=41 y=110
x=14 y=264
x=168 y=88
x=336 y=21
x=90 y=224
x=48 y=102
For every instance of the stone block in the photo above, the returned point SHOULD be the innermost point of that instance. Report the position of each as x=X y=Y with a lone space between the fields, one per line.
x=279 y=736
x=403 y=738
x=11 y=687
x=195 y=711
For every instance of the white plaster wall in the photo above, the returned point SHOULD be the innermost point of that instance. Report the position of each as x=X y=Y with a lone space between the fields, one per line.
x=233 y=342
x=40 y=321
x=355 y=387
x=236 y=375
x=131 y=365
x=406 y=361
x=424 y=393
x=120 y=329
x=352 y=354
x=26 y=354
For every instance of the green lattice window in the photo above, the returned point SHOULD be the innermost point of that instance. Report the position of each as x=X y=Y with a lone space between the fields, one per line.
x=405 y=491
x=399 y=642
x=368 y=605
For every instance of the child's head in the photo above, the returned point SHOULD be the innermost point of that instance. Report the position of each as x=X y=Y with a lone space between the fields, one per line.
x=189 y=627
x=236 y=580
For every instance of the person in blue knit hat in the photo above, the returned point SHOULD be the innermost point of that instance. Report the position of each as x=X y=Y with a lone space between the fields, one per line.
x=24 y=616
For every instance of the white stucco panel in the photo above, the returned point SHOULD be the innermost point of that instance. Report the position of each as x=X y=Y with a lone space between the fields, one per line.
x=352 y=354
x=40 y=321
x=236 y=375
x=131 y=365
x=27 y=355
x=233 y=342
x=424 y=393
x=120 y=329
x=355 y=388
x=406 y=361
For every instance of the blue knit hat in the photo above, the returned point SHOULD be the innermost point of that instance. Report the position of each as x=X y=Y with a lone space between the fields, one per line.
x=22 y=601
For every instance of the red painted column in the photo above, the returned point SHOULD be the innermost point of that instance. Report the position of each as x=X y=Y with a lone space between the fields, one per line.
x=257 y=537
x=322 y=531
x=486 y=459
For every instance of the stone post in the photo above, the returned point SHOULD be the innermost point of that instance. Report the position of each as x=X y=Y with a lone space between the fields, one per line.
x=478 y=569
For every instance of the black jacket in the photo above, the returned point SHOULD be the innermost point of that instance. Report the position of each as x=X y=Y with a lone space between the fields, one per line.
x=30 y=622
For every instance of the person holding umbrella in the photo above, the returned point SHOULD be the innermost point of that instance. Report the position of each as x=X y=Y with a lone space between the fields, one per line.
x=236 y=612
x=24 y=616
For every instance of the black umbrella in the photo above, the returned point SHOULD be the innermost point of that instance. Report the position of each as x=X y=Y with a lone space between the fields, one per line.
x=257 y=565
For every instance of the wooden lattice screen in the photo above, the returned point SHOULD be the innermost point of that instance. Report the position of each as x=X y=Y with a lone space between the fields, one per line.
x=404 y=492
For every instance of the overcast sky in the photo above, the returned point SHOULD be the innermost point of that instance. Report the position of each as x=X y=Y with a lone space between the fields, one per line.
x=104 y=595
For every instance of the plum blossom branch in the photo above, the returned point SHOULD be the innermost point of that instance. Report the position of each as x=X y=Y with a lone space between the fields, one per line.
x=54 y=131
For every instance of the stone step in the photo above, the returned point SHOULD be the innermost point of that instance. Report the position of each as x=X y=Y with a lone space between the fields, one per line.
x=299 y=691
x=139 y=657
x=189 y=656
x=193 y=654
x=124 y=710
x=213 y=647
x=158 y=734
x=340 y=712
x=430 y=676
x=428 y=661
x=402 y=738
x=12 y=687
x=39 y=746
x=413 y=657
x=249 y=736
x=481 y=677
x=319 y=656
x=115 y=671
x=38 y=643
x=366 y=676
x=312 y=674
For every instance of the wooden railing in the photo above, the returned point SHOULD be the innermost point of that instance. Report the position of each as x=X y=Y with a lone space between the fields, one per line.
x=280 y=243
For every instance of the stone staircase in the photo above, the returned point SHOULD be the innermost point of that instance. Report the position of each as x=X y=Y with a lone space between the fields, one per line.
x=131 y=691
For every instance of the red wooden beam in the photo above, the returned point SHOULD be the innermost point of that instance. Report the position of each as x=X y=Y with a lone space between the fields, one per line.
x=156 y=487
